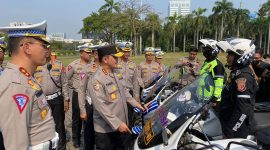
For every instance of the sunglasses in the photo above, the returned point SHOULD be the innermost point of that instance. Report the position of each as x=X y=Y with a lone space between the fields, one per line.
x=45 y=46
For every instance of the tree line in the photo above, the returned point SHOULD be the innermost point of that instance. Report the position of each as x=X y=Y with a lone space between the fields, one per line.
x=131 y=21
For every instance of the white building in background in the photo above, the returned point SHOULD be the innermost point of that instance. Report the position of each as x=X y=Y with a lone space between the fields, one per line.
x=180 y=7
x=57 y=36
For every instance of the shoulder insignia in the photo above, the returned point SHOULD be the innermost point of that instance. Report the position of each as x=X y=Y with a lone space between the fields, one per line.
x=69 y=67
x=39 y=68
x=33 y=85
x=82 y=75
x=241 y=84
x=105 y=72
x=23 y=71
x=21 y=101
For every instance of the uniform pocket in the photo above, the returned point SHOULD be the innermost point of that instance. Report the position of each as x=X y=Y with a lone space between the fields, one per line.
x=113 y=93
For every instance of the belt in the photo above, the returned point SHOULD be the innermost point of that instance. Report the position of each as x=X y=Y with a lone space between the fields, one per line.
x=53 y=96
x=48 y=145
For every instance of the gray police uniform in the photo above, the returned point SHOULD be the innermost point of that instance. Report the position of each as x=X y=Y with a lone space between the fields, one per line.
x=86 y=106
x=74 y=71
x=186 y=76
x=25 y=115
x=54 y=84
x=129 y=72
x=83 y=95
x=109 y=98
x=148 y=72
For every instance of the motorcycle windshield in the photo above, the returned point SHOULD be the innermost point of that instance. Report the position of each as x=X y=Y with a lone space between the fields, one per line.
x=160 y=82
x=176 y=110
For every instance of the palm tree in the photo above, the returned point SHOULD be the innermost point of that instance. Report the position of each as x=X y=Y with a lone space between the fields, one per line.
x=199 y=21
x=266 y=8
x=186 y=24
x=214 y=20
x=261 y=21
x=110 y=5
x=173 y=20
x=241 y=14
x=153 y=22
x=222 y=7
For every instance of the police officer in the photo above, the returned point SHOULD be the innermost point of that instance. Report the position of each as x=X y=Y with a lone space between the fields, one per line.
x=95 y=63
x=54 y=84
x=262 y=71
x=85 y=103
x=189 y=67
x=26 y=121
x=109 y=98
x=238 y=96
x=158 y=59
x=2 y=56
x=74 y=72
x=213 y=66
x=129 y=71
x=148 y=70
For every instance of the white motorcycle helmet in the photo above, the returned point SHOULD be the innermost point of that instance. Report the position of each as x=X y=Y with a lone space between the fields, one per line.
x=211 y=45
x=244 y=48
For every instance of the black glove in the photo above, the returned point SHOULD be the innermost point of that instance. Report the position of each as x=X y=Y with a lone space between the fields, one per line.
x=205 y=114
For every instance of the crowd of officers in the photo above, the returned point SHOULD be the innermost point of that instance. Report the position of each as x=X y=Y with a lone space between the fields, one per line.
x=105 y=85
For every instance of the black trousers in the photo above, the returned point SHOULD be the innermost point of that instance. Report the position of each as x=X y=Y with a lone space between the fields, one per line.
x=57 y=107
x=110 y=141
x=89 y=133
x=76 y=120
x=2 y=147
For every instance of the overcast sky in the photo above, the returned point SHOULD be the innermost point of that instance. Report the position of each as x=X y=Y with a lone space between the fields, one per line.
x=65 y=16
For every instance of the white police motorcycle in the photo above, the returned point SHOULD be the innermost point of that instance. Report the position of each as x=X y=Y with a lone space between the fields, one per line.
x=177 y=122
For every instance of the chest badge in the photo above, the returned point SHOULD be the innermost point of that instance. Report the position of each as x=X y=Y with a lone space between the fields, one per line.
x=43 y=113
x=113 y=96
